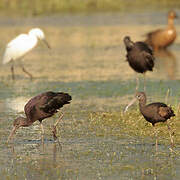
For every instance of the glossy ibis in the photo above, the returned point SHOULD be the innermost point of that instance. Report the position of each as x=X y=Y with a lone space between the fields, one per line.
x=154 y=112
x=139 y=56
x=41 y=107
x=162 y=38
x=20 y=46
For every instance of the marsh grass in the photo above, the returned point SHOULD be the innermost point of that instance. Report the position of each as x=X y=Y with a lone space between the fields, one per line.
x=131 y=124
x=34 y=7
x=89 y=63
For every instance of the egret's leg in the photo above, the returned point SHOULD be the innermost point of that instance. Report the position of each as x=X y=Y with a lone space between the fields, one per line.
x=25 y=71
x=12 y=70
x=155 y=134
x=137 y=83
x=170 y=135
x=144 y=82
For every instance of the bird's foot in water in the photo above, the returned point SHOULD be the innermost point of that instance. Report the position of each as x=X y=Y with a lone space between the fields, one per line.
x=54 y=131
x=56 y=138
x=173 y=151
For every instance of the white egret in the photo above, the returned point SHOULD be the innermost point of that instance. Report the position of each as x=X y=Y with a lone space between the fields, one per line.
x=20 y=46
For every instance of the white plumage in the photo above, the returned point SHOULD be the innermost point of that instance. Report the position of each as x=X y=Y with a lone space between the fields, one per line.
x=18 y=47
x=22 y=44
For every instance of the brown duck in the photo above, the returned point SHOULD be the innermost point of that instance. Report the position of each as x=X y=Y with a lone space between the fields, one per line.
x=162 y=38
x=154 y=112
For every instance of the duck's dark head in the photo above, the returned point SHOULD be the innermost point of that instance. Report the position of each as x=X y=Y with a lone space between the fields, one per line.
x=128 y=43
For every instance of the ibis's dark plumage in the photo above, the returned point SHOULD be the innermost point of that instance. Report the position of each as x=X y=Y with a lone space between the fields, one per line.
x=139 y=56
x=40 y=107
x=154 y=112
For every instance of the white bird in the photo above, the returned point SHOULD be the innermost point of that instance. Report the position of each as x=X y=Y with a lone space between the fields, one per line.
x=21 y=45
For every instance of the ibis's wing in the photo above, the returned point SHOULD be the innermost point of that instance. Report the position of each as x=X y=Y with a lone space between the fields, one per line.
x=56 y=102
x=149 y=60
x=33 y=104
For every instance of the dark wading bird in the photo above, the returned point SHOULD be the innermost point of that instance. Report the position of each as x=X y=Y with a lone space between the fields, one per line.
x=162 y=38
x=154 y=112
x=41 y=107
x=20 y=46
x=140 y=57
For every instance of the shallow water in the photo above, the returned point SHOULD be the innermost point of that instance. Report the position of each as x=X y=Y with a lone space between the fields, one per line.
x=87 y=60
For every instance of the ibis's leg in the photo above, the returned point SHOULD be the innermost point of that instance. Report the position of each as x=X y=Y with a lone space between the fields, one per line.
x=155 y=134
x=137 y=83
x=54 y=131
x=12 y=70
x=54 y=127
x=25 y=71
x=171 y=137
x=42 y=132
x=54 y=153
x=144 y=82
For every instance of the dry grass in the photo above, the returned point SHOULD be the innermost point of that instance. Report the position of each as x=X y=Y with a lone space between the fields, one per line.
x=80 y=54
x=34 y=7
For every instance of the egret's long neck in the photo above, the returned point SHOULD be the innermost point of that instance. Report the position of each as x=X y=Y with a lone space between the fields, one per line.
x=33 y=40
x=32 y=35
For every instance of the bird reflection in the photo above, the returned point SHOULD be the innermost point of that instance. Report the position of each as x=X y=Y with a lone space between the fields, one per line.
x=12 y=150
x=54 y=154
x=166 y=61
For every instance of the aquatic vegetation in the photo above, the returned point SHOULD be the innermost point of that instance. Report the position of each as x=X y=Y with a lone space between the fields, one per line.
x=131 y=124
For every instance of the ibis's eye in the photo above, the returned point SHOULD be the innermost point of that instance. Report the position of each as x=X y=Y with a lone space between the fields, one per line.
x=138 y=96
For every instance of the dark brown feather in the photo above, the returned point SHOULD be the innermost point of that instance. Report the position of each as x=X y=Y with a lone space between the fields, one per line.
x=154 y=112
x=139 y=55
x=45 y=105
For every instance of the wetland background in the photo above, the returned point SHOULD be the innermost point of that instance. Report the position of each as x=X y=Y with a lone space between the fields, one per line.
x=87 y=60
